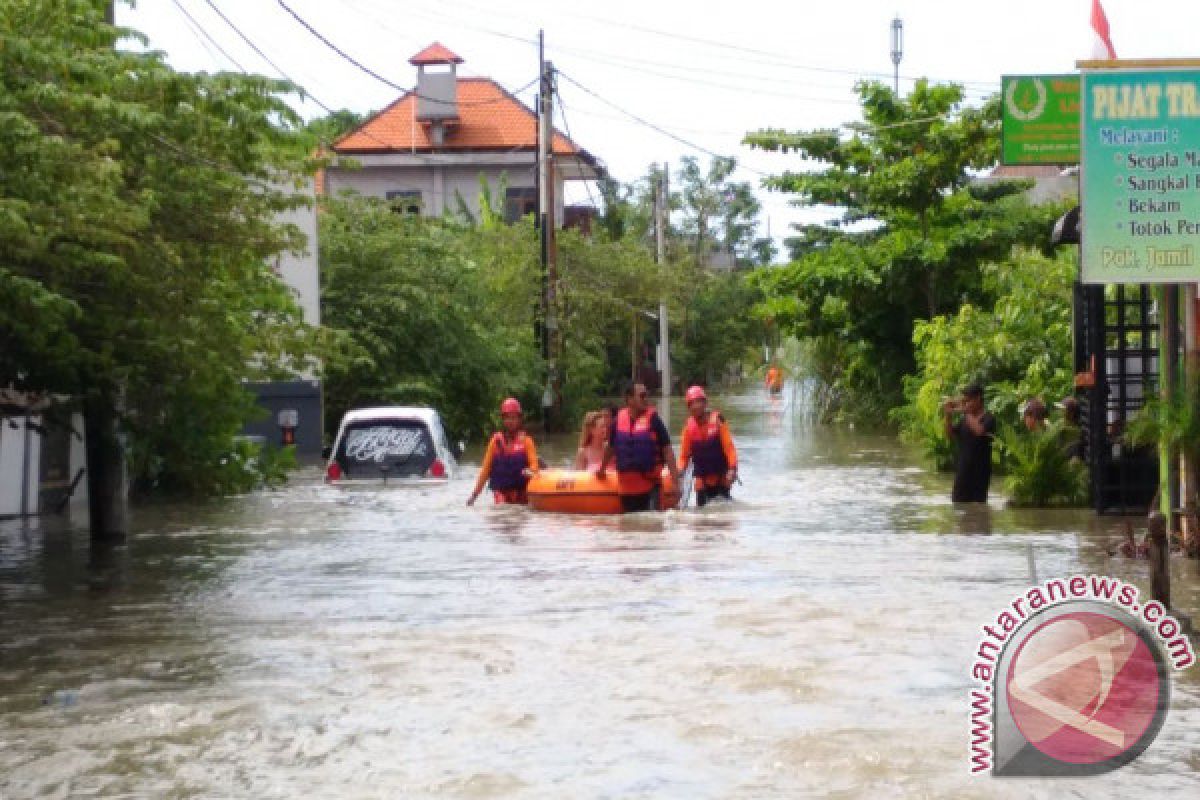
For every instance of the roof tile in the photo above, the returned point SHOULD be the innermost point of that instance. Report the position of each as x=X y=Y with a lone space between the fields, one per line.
x=436 y=53
x=489 y=118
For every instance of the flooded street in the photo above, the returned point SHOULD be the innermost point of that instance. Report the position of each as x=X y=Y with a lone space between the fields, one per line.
x=814 y=639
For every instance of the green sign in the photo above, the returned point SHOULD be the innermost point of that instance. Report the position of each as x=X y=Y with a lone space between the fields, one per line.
x=1040 y=119
x=1140 y=174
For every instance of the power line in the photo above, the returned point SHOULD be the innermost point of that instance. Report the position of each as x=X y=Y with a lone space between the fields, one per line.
x=772 y=58
x=200 y=27
x=208 y=48
x=654 y=127
x=279 y=70
x=562 y=108
x=367 y=70
x=261 y=54
x=339 y=51
x=637 y=64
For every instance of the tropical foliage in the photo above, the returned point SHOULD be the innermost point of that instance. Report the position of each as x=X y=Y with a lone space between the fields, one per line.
x=910 y=229
x=1039 y=469
x=444 y=311
x=1017 y=344
x=426 y=312
x=138 y=225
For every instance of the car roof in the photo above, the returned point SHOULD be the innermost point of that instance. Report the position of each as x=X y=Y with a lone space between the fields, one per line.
x=422 y=413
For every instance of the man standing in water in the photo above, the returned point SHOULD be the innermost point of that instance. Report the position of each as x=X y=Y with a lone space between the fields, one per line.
x=974 y=432
x=641 y=445
x=706 y=442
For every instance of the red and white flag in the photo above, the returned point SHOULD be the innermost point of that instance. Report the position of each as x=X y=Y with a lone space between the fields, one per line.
x=1102 y=47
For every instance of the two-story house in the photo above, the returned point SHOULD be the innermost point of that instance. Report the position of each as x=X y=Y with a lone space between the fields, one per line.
x=431 y=145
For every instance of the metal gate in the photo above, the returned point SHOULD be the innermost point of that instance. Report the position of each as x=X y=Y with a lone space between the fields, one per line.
x=1117 y=346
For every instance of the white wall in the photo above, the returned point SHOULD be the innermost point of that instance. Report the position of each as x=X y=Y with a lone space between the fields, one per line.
x=299 y=270
x=20 y=462
x=439 y=178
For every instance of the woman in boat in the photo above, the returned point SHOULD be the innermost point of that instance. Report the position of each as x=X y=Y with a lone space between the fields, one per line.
x=593 y=440
x=510 y=461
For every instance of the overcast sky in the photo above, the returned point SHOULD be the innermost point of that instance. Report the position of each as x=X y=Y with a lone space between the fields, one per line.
x=705 y=71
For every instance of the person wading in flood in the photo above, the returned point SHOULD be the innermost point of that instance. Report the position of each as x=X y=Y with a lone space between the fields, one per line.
x=973 y=432
x=707 y=443
x=593 y=440
x=641 y=446
x=511 y=459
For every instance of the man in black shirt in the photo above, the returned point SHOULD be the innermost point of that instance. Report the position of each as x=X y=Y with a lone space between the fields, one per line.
x=974 y=432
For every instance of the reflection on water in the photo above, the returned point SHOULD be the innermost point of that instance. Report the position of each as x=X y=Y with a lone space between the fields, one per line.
x=811 y=639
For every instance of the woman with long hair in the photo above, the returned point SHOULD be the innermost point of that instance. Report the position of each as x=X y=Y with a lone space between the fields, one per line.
x=592 y=441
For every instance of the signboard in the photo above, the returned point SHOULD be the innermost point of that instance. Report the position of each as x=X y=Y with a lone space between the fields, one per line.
x=1040 y=119
x=1139 y=173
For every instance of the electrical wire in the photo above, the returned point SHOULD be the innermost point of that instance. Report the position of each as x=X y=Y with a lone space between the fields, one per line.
x=263 y=55
x=657 y=128
x=367 y=70
x=192 y=19
x=562 y=110
x=305 y=92
x=772 y=58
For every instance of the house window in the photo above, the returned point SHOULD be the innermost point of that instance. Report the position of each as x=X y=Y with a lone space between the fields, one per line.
x=518 y=203
x=405 y=201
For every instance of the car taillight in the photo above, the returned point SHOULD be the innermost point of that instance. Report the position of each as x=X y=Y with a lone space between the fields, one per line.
x=437 y=469
x=334 y=472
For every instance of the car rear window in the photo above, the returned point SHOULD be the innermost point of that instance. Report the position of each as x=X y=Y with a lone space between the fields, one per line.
x=404 y=446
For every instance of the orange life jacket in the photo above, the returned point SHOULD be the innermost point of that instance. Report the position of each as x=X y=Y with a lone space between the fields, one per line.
x=509 y=461
x=704 y=440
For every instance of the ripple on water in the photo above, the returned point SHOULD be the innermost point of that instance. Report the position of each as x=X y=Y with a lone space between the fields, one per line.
x=812 y=639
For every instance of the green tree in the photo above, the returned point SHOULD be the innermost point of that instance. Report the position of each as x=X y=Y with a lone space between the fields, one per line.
x=138 y=219
x=718 y=214
x=433 y=312
x=1017 y=345
x=333 y=126
x=911 y=227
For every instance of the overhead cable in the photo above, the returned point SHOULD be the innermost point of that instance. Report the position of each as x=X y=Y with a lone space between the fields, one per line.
x=652 y=126
x=206 y=35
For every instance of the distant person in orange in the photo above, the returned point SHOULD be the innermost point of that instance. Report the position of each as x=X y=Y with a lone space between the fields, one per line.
x=593 y=440
x=774 y=380
x=510 y=461
x=707 y=443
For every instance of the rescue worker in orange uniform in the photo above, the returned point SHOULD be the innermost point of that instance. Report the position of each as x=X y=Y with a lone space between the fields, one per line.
x=641 y=446
x=706 y=441
x=774 y=379
x=510 y=461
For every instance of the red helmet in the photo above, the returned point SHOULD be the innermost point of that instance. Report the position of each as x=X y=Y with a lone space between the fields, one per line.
x=510 y=406
x=695 y=393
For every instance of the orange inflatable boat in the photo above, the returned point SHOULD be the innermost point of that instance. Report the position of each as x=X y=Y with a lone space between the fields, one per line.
x=570 y=491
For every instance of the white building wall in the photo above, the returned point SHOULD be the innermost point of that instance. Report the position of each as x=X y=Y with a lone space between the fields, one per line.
x=20 y=462
x=299 y=270
x=440 y=180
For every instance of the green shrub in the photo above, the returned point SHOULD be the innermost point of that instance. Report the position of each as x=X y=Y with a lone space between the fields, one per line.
x=1018 y=349
x=1039 y=471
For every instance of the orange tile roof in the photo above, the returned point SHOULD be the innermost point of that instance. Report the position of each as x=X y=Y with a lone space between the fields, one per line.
x=489 y=118
x=436 y=53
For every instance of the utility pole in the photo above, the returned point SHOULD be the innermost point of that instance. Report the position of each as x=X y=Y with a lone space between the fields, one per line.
x=661 y=211
x=104 y=445
x=552 y=396
x=897 y=50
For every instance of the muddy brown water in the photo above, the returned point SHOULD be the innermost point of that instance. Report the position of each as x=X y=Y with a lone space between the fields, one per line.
x=813 y=639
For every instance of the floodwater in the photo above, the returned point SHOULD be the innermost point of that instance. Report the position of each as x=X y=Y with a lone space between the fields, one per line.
x=813 y=639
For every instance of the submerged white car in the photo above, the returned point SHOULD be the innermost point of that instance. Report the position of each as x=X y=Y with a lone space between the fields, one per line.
x=391 y=443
